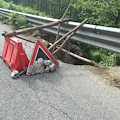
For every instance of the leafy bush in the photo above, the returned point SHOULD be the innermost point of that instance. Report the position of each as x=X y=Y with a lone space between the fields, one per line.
x=100 y=12
x=11 y=6
x=18 y=21
x=3 y=19
x=104 y=57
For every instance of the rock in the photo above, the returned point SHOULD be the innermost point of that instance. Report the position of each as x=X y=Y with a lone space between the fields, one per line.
x=47 y=62
x=47 y=70
x=14 y=74
x=36 y=68
x=40 y=60
x=52 y=67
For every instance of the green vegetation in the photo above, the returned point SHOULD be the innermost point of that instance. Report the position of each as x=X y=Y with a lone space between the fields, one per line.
x=10 y=5
x=104 y=57
x=18 y=21
x=100 y=12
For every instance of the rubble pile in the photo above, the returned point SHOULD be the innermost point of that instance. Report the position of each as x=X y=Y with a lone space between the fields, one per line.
x=42 y=66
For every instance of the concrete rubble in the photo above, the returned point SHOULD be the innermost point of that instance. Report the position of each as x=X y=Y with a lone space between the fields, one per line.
x=42 y=66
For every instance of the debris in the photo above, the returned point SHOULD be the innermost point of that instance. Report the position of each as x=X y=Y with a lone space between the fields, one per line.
x=52 y=67
x=47 y=69
x=14 y=74
x=41 y=58
x=36 y=68
x=47 y=62
x=41 y=67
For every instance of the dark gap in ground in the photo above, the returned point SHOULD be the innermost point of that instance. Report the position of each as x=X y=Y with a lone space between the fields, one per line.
x=60 y=54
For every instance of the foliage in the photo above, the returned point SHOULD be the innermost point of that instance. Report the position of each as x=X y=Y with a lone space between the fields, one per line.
x=100 y=12
x=18 y=21
x=54 y=8
x=3 y=19
x=10 y=5
x=104 y=57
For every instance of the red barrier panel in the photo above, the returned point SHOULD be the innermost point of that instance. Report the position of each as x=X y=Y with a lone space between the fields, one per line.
x=14 y=55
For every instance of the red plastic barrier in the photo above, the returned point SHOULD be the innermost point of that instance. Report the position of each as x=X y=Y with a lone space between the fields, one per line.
x=14 y=55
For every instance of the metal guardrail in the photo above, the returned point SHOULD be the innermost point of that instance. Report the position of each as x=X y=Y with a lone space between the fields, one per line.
x=99 y=36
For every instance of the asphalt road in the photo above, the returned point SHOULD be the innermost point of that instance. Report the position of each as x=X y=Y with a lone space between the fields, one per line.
x=70 y=93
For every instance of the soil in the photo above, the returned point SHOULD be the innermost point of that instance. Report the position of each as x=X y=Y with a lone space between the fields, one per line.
x=110 y=75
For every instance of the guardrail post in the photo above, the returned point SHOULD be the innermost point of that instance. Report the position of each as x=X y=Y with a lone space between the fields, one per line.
x=37 y=13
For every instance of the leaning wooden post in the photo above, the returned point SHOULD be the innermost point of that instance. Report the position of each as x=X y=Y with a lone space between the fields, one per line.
x=76 y=56
x=68 y=33
x=58 y=31
x=63 y=43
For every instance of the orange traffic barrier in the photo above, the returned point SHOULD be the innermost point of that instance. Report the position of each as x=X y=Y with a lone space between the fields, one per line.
x=14 y=55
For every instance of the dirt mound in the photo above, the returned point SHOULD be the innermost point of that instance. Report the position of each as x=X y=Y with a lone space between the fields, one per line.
x=111 y=75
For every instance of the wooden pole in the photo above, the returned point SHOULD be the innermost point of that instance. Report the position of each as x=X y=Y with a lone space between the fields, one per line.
x=81 y=58
x=62 y=19
x=58 y=31
x=24 y=39
x=68 y=33
x=74 y=55
x=66 y=40
x=21 y=31
x=63 y=43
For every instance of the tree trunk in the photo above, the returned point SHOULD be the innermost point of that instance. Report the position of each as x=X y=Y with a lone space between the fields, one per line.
x=74 y=55
x=21 y=31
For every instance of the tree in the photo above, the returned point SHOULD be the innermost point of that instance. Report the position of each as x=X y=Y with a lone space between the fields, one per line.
x=100 y=12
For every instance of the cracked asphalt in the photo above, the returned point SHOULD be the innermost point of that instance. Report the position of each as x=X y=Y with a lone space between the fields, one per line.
x=70 y=93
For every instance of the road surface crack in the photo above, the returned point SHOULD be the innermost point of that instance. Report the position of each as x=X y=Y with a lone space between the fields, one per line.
x=48 y=104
